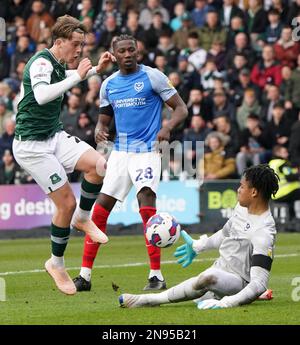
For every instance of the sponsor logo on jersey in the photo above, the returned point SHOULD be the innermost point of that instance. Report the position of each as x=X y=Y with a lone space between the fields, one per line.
x=138 y=86
x=170 y=84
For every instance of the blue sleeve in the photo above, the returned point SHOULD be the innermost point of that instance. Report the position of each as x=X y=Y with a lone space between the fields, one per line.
x=161 y=83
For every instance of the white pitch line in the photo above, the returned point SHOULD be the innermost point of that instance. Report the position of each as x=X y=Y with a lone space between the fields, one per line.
x=135 y=264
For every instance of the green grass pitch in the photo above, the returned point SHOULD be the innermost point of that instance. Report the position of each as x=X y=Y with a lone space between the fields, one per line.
x=32 y=299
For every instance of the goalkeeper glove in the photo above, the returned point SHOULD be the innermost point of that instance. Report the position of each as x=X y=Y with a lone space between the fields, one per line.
x=185 y=251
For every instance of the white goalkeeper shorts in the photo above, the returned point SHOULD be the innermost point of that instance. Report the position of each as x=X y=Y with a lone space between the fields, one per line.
x=225 y=283
x=127 y=169
x=49 y=161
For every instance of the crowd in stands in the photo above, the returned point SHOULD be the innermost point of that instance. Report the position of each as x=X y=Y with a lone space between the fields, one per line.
x=236 y=64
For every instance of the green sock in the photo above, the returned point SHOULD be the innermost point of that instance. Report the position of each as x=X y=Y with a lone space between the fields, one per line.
x=59 y=239
x=89 y=194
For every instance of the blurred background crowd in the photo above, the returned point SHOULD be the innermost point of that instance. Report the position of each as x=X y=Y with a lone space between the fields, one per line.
x=236 y=64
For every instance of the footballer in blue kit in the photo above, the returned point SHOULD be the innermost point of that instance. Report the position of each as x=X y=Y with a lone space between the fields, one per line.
x=134 y=96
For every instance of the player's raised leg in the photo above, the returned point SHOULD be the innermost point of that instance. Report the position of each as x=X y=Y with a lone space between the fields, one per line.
x=93 y=165
x=65 y=203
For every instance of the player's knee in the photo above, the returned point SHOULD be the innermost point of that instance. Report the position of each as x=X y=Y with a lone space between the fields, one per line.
x=146 y=197
x=101 y=166
x=204 y=280
x=68 y=205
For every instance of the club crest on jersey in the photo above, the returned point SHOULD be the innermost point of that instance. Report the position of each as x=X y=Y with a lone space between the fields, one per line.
x=247 y=227
x=138 y=86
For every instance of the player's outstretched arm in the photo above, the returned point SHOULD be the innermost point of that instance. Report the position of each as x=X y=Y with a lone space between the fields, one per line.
x=45 y=92
x=103 y=62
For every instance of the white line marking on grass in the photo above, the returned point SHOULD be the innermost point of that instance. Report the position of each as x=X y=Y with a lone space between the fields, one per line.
x=135 y=264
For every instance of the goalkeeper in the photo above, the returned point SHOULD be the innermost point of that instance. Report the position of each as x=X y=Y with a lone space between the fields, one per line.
x=246 y=242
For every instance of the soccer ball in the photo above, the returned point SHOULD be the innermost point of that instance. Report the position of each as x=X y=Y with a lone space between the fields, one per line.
x=162 y=230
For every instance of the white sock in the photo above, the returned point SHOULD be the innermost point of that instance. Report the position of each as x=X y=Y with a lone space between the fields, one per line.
x=185 y=291
x=157 y=298
x=58 y=261
x=80 y=214
x=86 y=273
x=156 y=273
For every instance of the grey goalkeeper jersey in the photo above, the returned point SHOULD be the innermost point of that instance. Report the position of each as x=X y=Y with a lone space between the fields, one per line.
x=246 y=235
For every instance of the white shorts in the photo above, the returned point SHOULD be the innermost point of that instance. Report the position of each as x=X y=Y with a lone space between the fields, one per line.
x=125 y=169
x=49 y=161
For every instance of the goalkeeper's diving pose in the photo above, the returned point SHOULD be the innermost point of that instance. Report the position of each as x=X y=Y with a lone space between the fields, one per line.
x=245 y=243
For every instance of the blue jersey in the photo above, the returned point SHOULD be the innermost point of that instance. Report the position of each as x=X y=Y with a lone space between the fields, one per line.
x=137 y=101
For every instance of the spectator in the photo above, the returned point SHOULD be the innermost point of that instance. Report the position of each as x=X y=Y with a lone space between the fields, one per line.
x=199 y=12
x=239 y=62
x=293 y=11
x=249 y=106
x=22 y=52
x=278 y=129
x=244 y=82
x=198 y=105
x=217 y=54
x=292 y=91
x=8 y=168
x=86 y=10
x=222 y=105
x=294 y=143
x=212 y=30
x=228 y=11
x=281 y=7
x=133 y=27
x=15 y=9
x=4 y=61
x=180 y=37
x=167 y=48
x=70 y=113
x=289 y=184
x=267 y=71
x=254 y=144
x=156 y=29
x=208 y=73
x=7 y=137
x=273 y=30
x=218 y=164
x=84 y=129
x=273 y=96
x=256 y=19
x=241 y=46
x=161 y=63
x=142 y=57
x=146 y=15
x=180 y=84
x=109 y=10
x=196 y=54
x=109 y=32
x=38 y=20
x=237 y=26
x=222 y=124
x=176 y=22
x=286 y=49
x=198 y=132
x=5 y=115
